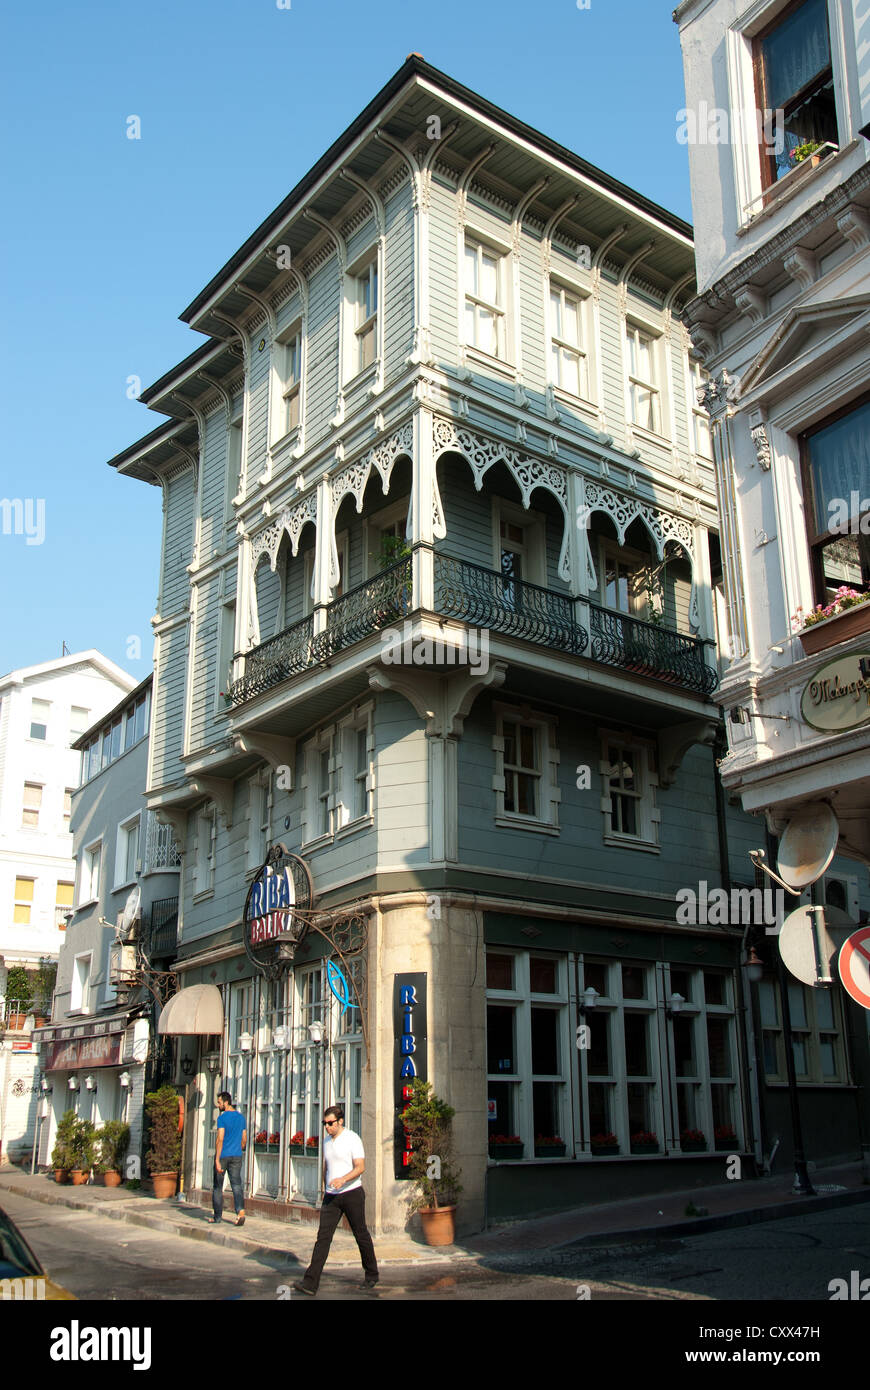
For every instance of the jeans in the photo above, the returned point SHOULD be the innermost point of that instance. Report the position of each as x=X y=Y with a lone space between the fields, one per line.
x=336 y=1205
x=232 y=1167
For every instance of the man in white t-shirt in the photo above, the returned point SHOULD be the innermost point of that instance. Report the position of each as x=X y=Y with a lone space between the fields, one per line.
x=343 y=1167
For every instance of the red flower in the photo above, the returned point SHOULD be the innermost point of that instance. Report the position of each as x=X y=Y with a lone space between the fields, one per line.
x=298 y=1137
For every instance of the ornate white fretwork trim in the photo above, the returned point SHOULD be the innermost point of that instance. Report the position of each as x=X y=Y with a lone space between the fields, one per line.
x=480 y=454
x=662 y=526
x=382 y=457
x=291 y=520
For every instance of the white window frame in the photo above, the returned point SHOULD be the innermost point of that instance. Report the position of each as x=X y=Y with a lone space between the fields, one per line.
x=286 y=387
x=204 y=853
x=31 y=806
x=90 y=875
x=699 y=416
x=373 y=529
x=635 y=560
x=226 y=655
x=583 y=300
x=80 y=989
x=312 y=793
x=126 y=829
x=634 y=324
x=17 y=901
x=42 y=723
x=484 y=242
x=235 y=486
x=523 y=1080
x=350 y=774
x=549 y=794
x=63 y=911
x=260 y=803
x=354 y=327
x=534 y=544
x=648 y=813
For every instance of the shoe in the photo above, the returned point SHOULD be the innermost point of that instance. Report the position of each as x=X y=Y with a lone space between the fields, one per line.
x=370 y=1283
x=240 y=1221
x=304 y=1289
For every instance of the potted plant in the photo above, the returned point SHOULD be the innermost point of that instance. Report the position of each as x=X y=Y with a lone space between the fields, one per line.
x=846 y=616
x=81 y=1151
x=644 y=1142
x=725 y=1137
x=505 y=1146
x=693 y=1141
x=549 y=1146
x=604 y=1144
x=113 y=1140
x=805 y=151
x=44 y=980
x=164 y=1155
x=297 y=1142
x=427 y=1122
x=60 y=1154
x=19 y=990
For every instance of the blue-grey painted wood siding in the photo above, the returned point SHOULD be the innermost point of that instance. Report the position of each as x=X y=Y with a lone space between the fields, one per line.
x=214 y=475
x=206 y=651
x=258 y=403
x=268 y=585
x=613 y=362
x=399 y=281
x=402 y=791
x=323 y=311
x=178 y=549
x=468 y=514
x=443 y=274
x=168 y=717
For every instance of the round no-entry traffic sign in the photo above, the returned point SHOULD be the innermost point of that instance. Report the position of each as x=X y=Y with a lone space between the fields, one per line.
x=854 y=964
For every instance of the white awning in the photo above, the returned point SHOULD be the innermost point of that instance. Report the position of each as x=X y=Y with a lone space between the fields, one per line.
x=197 y=1009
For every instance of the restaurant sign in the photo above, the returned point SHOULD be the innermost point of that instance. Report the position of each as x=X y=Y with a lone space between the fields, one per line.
x=410 y=1056
x=280 y=892
x=838 y=695
x=84 y=1052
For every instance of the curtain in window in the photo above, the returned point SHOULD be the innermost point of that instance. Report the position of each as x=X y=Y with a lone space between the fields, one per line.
x=840 y=464
x=796 y=52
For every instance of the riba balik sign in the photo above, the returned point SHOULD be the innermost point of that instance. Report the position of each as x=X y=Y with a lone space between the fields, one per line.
x=281 y=891
x=838 y=695
x=410 y=1056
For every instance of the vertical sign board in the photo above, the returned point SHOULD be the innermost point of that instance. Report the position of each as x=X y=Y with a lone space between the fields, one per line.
x=410 y=1054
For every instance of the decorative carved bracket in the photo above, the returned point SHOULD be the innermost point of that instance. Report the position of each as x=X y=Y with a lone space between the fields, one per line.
x=177 y=819
x=443 y=701
x=275 y=750
x=675 y=742
x=220 y=791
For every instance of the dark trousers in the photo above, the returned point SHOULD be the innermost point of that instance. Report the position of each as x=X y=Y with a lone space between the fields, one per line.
x=336 y=1205
x=232 y=1167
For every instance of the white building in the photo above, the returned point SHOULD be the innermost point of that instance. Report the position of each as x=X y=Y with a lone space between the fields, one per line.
x=43 y=709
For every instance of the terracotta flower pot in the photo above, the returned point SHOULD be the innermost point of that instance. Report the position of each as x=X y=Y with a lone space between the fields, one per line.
x=17 y=1021
x=61 y=1175
x=164 y=1184
x=79 y=1177
x=112 y=1178
x=439 y=1225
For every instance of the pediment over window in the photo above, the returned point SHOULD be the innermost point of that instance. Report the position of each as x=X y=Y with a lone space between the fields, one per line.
x=808 y=339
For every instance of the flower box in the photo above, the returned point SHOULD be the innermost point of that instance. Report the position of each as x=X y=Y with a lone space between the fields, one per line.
x=851 y=622
x=644 y=1148
x=605 y=1148
x=550 y=1150
x=508 y=1146
x=644 y=1142
x=266 y=1148
x=693 y=1146
x=297 y=1149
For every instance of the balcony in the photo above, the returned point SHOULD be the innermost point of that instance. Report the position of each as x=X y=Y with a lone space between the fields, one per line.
x=162 y=936
x=486 y=600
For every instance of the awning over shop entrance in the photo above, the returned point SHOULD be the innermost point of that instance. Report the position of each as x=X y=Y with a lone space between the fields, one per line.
x=197 y=1009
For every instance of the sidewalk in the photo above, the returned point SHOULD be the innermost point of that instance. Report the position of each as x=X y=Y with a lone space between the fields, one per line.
x=730 y=1204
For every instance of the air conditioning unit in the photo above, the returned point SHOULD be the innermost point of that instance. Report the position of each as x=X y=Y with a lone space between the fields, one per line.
x=123 y=968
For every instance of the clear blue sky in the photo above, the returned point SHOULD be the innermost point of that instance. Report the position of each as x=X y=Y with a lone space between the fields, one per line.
x=106 y=239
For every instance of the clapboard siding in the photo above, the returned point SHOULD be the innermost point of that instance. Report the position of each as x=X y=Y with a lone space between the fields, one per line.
x=399 y=282
x=258 y=404
x=214 y=484
x=206 y=652
x=167 y=722
x=402 y=802
x=323 y=319
x=178 y=544
x=268 y=585
x=443 y=274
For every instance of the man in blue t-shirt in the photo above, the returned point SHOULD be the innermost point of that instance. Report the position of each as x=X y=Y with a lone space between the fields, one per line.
x=232 y=1140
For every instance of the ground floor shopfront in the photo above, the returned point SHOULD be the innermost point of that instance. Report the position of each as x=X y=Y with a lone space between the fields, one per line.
x=583 y=1060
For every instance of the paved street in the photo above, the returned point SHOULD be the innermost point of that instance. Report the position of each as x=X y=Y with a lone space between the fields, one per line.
x=795 y=1259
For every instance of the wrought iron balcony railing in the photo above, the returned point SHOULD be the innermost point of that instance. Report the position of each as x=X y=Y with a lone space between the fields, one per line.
x=379 y=603
x=275 y=661
x=649 y=649
x=486 y=599
x=162 y=935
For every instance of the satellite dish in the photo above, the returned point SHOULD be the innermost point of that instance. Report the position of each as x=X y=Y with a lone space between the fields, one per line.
x=808 y=845
x=810 y=940
x=130 y=914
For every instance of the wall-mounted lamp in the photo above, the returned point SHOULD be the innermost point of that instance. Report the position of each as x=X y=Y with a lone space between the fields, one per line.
x=214 y=1065
x=124 y=1080
x=90 y=1083
x=316 y=1034
x=675 y=1005
x=187 y=1065
x=590 y=999
x=46 y=1087
x=73 y=1083
x=281 y=1037
x=753 y=967
x=246 y=1042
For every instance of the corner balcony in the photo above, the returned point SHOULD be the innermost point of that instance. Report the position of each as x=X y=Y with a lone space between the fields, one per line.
x=486 y=600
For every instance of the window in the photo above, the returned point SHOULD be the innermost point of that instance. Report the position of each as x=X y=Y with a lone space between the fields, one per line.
x=701 y=442
x=793 y=74
x=835 y=461
x=234 y=469
x=259 y=817
x=366 y=317
x=317 y=815
x=527 y=1047
x=624 y=577
x=93 y=760
x=291 y=375
x=484 y=299
x=89 y=889
x=568 y=360
x=227 y=652
x=141 y=727
x=64 y=896
x=357 y=748
x=39 y=718
x=78 y=721
x=32 y=804
x=116 y=739
x=127 y=852
x=67 y=807
x=23 y=901
x=628 y=800
x=817 y=1033
x=526 y=763
x=80 y=988
x=645 y=407
x=203 y=873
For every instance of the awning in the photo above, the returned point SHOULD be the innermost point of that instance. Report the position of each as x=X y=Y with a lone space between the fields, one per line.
x=197 y=1009
x=92 y=1028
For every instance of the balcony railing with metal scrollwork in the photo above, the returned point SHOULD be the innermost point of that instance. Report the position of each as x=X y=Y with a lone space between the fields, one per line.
x=500 y=603
x=370 y=607
x=275 y=661
x=649 y=649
